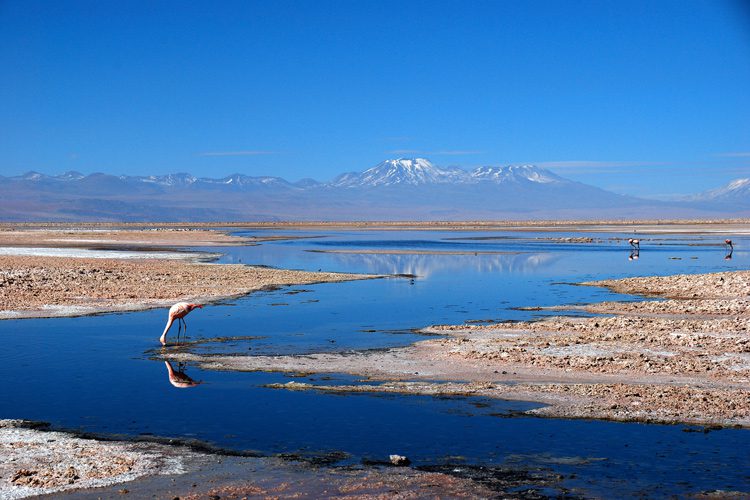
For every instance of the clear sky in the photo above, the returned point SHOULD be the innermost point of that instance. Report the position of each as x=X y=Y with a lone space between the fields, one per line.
x=644 y=97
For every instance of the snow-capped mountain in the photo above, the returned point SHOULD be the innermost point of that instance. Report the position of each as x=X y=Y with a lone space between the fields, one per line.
x=181 y=179
x=178 y=180
x=398 y=189
x=33 y=176
x=390 y=173
x=511 y=173
x=400 y=172
x=240 y=181
x=71 y=175
x=419 y=171
x=736 y=191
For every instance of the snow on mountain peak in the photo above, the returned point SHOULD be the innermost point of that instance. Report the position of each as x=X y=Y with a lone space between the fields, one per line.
x=241 y=181
x=71 y=175
x=515 y=173
x=419 y=171
x=738 y=188
x=399 y=172
x=737 y=184
x=33 y=176
x=181 y=179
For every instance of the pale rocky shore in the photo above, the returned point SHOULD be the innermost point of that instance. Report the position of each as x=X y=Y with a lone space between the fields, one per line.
x=81 y=236
x=73 y=271
x=37 y=461
x=679 y=360
x=34 y=286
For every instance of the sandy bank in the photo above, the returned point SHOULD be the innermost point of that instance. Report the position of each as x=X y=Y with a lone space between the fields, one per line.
x=35 y=286
x=680 y=360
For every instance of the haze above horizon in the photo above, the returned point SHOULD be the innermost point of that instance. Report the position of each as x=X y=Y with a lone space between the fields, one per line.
x=644 y=98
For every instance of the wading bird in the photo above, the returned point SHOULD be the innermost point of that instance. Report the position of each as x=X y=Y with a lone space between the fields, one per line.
x=636 y=244
x=178 y=312
x=730 y=249
x=179 y=378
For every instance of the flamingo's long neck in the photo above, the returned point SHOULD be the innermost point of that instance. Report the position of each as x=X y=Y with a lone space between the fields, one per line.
x=166 y=328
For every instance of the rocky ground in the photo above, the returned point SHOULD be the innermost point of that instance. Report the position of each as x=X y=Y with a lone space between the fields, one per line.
x=727 y=285
x=60 y=286
x=37 y=461
x=80 y=282
x=103 y=237
x=686 y=359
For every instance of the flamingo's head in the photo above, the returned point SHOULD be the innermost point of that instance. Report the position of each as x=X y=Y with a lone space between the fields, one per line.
x=195 y=306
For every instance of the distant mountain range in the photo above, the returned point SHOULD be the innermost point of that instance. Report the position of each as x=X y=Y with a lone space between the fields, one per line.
x=400 y=189
x=734 y=196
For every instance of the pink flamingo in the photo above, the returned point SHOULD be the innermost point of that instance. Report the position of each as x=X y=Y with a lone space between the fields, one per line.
x=635 y=243
x=179 y=378
x=178 y=312
x=730 y=249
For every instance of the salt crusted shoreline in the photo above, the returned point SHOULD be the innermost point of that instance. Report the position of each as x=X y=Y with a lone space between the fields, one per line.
x=681 y=360
x=87 y=271
x=37 y=461
x=33 y=286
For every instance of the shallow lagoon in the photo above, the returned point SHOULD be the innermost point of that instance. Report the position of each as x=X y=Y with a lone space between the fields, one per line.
x=103 y=373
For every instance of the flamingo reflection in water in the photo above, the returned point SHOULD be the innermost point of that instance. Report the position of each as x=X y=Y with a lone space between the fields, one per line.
x=179 y=378
x=635 y=249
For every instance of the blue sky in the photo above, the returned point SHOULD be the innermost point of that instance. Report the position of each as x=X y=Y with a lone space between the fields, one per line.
x=644 y=97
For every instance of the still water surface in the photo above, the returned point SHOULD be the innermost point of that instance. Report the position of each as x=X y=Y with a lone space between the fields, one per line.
x=103 y=373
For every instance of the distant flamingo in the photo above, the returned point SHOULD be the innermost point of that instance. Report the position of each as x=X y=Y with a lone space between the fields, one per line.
x=729 y=245
x=179 y=378
x=178 y=312
x=636 y=244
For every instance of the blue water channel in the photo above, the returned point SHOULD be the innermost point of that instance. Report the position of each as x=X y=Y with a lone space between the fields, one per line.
x=105 y=373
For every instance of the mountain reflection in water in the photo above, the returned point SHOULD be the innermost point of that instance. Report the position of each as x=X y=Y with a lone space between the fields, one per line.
x=424 y=265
